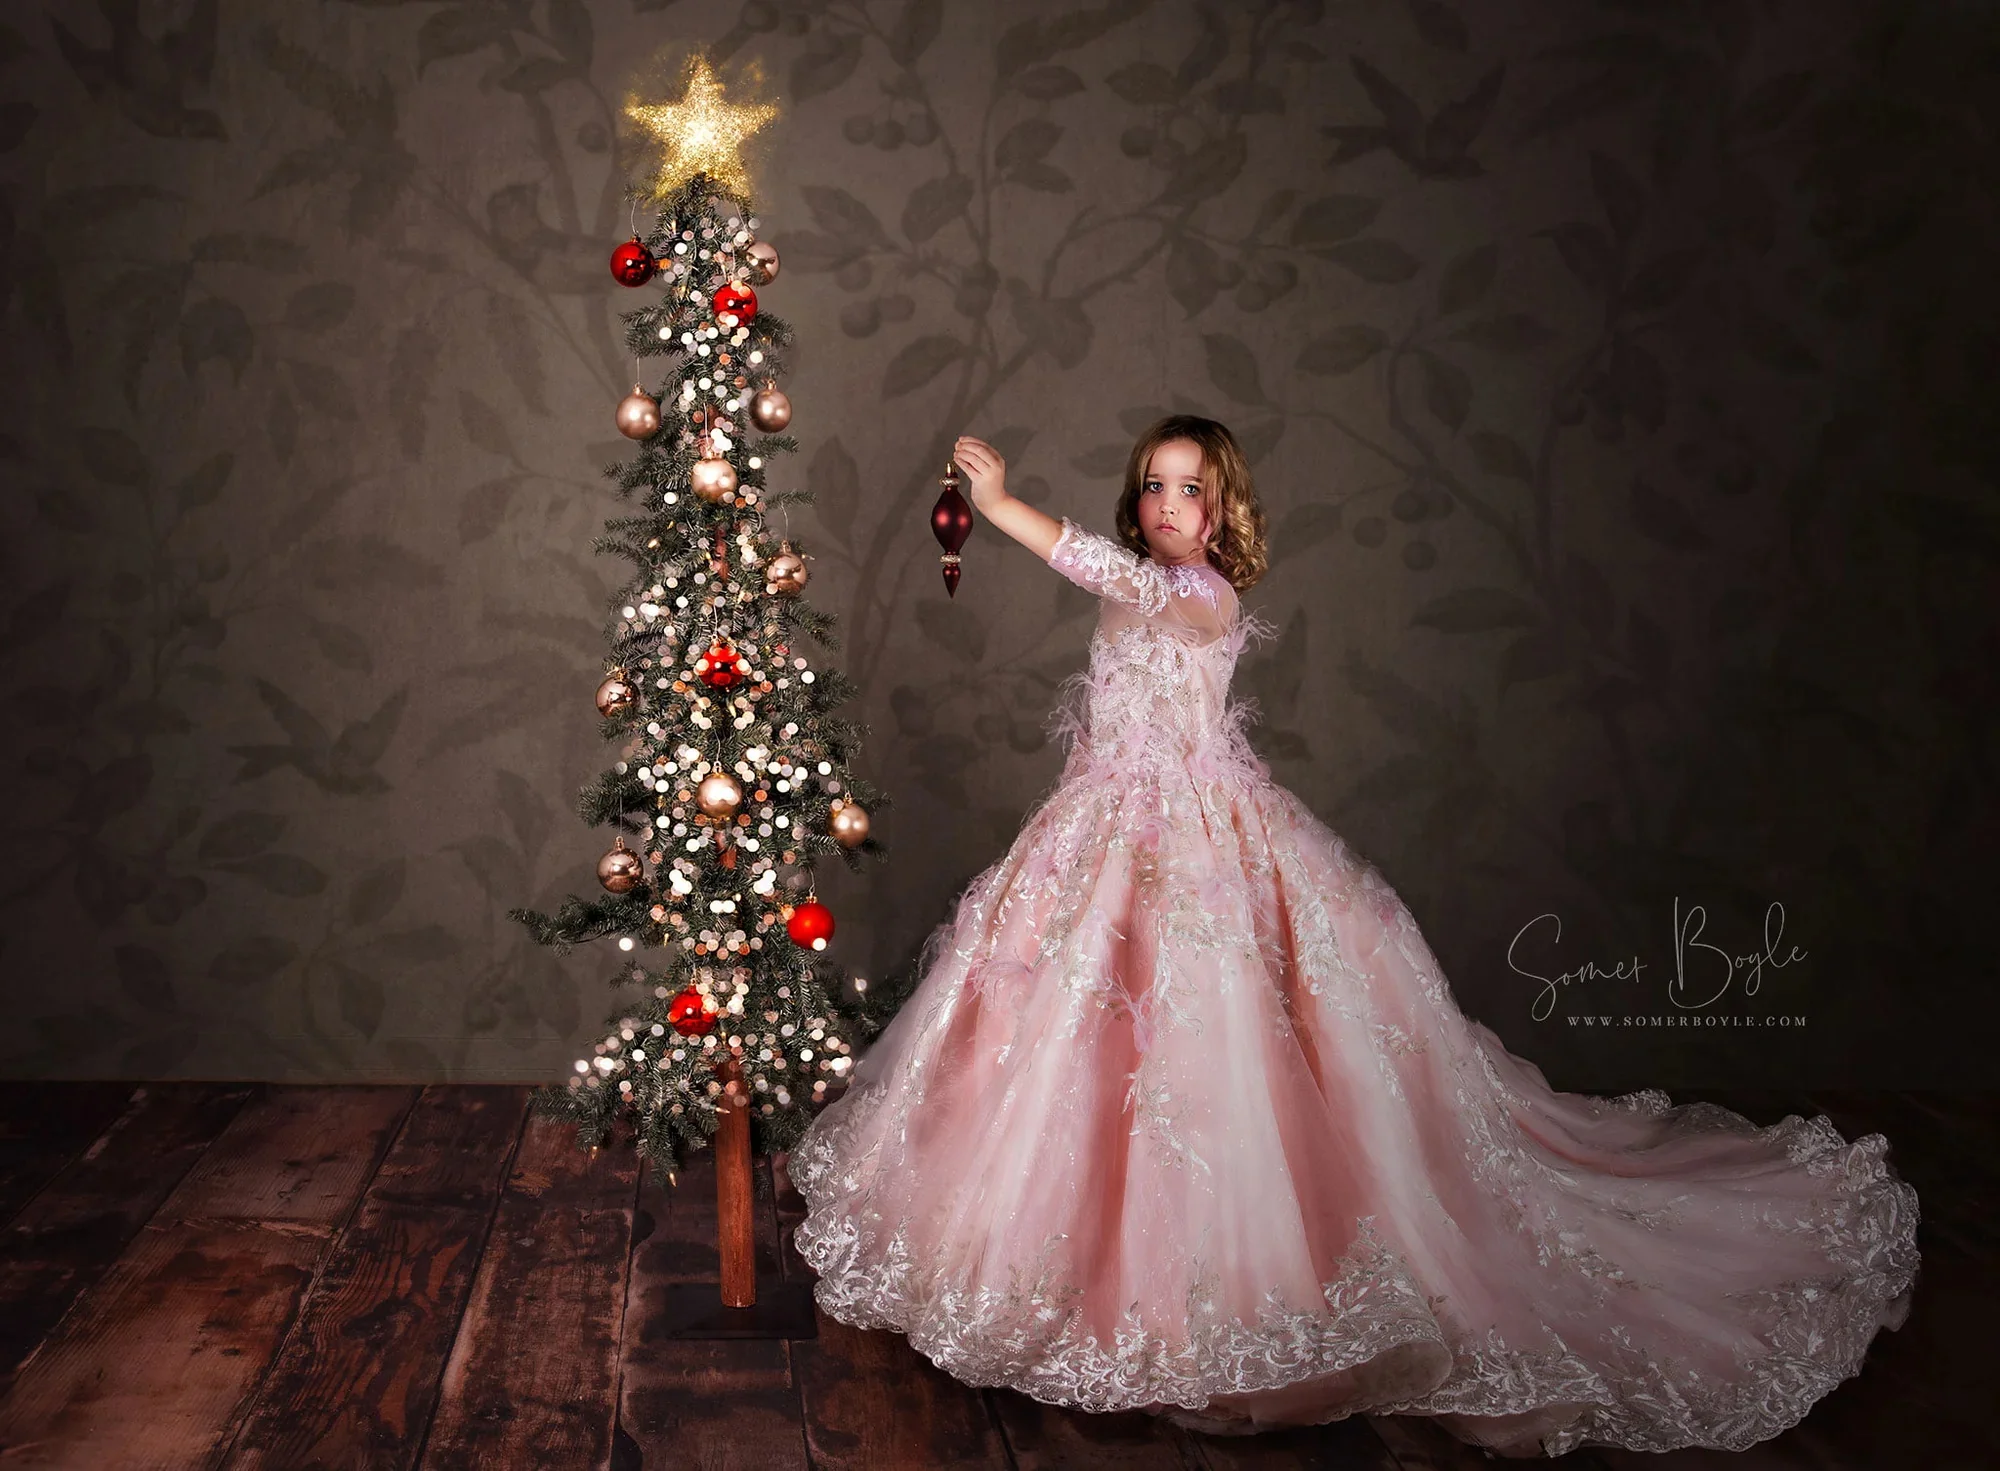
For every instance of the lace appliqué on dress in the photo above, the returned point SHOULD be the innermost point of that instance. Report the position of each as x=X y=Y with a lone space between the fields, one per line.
x=1189 y=582
x=1112 y=569
x=1115 y=571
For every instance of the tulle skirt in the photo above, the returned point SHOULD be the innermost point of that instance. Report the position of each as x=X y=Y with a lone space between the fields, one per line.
x=1183 y=1118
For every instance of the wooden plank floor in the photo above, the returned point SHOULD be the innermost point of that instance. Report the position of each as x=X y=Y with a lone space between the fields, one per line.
x=291 y=1278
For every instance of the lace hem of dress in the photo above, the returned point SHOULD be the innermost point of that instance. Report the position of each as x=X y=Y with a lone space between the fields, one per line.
x=1028 y=1338
x=1817 y=1330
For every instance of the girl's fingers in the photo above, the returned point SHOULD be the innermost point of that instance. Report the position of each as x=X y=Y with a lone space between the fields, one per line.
x=976 y=454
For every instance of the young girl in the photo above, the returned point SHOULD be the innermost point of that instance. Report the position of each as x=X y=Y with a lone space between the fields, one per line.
x=1183 y=1118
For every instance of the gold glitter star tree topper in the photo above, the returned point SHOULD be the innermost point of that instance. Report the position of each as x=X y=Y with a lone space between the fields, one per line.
x=702 y=133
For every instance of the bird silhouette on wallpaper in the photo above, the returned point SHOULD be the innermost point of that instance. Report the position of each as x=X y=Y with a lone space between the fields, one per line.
x=1182 y=1117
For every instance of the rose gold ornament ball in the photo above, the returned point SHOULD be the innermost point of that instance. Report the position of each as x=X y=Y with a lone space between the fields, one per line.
x=713 y=479
x=621 y=870
x=719 y=794
x=849 y=824
x=786 y=572
x=638 y=415
x=762 y=257
x=770 y=410
x=615 y=694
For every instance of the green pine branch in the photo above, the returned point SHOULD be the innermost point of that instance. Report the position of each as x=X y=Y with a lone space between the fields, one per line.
x=577 y=921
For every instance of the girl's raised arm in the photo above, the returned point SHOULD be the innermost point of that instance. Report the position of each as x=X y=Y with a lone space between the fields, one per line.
x=986 y=477
x=1196 y=600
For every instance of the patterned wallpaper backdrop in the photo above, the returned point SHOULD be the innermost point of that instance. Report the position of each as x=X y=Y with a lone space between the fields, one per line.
x=1615 y=376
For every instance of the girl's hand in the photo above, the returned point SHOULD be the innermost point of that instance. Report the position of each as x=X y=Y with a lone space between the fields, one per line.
x=986 y=477
x=985 y=471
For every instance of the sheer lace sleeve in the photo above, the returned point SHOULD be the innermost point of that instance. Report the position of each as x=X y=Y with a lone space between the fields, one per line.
x=1197 y=600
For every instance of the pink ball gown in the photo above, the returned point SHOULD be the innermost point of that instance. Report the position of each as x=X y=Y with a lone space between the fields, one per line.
x=1182 y=1118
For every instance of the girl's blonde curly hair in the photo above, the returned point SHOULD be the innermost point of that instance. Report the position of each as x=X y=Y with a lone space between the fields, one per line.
x=1236 y=522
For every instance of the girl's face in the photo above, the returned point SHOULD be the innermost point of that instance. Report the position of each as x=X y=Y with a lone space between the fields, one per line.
x=1172 y=511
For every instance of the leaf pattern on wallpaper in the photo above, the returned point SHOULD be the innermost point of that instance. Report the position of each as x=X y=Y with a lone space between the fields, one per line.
x=1555 y=347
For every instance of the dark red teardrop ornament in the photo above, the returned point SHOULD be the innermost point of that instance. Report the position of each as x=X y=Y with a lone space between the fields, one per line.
x=951 y=524
x=632 y=264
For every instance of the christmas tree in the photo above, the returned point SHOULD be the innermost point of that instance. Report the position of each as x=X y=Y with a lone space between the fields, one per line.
x=734 y=776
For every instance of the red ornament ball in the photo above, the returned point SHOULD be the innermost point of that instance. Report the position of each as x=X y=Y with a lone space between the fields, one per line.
x=811 y=925
x=720 y=667
x=736 y=301
x=632 y=264
x=689 y=1015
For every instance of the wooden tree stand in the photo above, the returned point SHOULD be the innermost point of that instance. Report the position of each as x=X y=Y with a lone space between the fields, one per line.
x=693 y=1309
